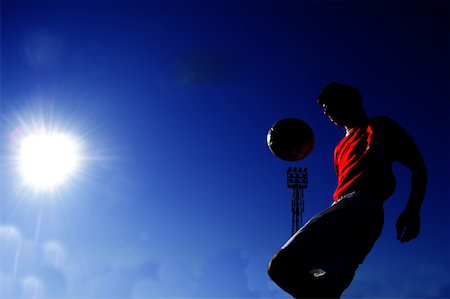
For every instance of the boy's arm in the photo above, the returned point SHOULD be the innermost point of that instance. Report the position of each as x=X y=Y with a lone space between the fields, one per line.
x=406 y=152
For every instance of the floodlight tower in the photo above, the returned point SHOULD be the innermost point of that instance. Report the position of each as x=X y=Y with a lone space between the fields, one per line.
x=297 y=180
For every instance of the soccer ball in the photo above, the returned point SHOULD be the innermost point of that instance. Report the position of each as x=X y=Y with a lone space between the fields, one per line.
x=290 y=139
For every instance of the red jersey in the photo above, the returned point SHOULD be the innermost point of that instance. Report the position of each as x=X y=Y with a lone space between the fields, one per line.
x=362 y=162
x=349 y=159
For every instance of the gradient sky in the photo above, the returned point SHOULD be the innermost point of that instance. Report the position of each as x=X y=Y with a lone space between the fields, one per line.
x=178 y=195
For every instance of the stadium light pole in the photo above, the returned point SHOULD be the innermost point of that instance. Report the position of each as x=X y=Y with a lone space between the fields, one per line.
x=297 y=180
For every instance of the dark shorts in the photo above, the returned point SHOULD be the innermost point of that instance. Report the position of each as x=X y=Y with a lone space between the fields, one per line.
x=335 y=241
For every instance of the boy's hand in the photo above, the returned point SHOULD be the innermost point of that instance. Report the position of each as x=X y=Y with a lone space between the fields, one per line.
x=408 y=226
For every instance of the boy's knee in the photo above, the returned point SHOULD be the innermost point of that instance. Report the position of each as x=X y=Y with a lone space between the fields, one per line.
x=285 y=272
x=276 y=268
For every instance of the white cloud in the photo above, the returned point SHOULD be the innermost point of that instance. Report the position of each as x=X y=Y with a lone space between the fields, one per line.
x=29 y=269
x=9 y=233
x=54 y=254
x=10 y=243
x=31 y=287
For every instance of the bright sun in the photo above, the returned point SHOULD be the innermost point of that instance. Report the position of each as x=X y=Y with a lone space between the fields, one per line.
x=47 y=160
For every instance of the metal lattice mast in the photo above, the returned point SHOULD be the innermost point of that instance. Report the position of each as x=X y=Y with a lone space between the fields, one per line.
x=297 y=180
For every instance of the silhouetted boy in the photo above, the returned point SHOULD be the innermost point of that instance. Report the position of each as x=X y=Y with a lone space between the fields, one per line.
x=320 y=260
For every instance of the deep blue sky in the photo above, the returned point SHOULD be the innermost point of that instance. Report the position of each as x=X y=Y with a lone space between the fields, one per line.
x=179 y=196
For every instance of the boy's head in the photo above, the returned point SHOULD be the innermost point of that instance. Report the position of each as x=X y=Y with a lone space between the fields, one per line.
x=342 y=103
x=340 y=94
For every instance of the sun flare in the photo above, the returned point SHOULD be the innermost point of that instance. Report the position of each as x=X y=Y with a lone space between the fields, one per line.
x=47 y=160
